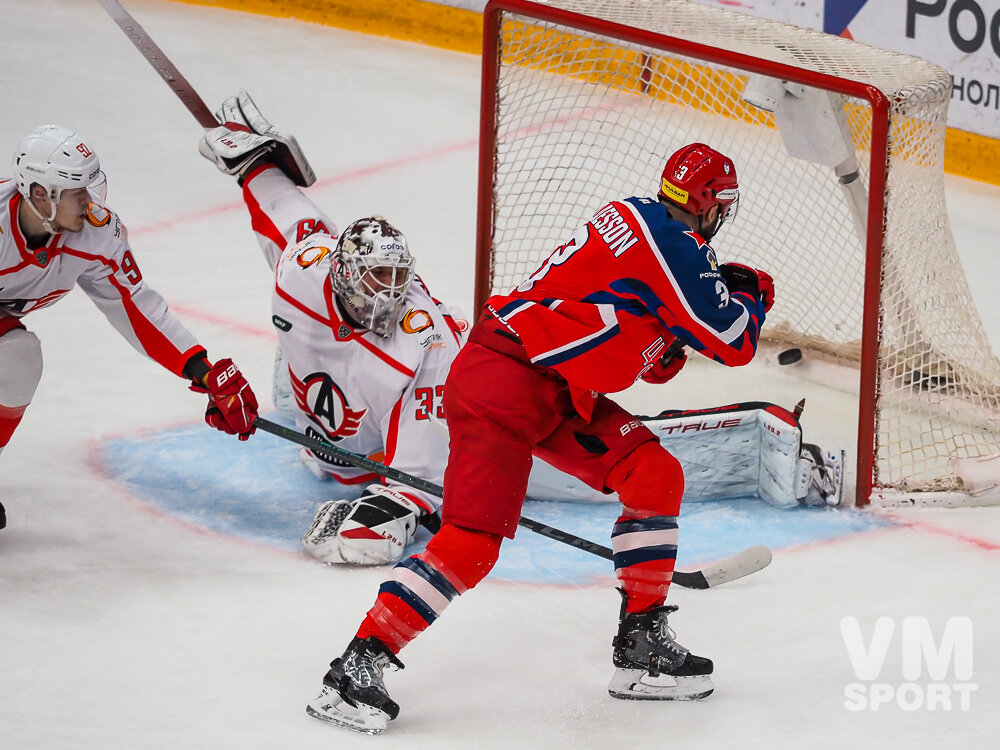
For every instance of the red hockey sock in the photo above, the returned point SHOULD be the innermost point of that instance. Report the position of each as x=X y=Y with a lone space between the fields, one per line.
x=456 y=559
x=650 y=483
x=10 y=417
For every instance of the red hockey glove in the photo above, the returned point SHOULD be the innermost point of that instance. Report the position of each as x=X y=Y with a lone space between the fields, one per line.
x=232 y=407
x=766 y=289
x=664 y=370
x=741 y=278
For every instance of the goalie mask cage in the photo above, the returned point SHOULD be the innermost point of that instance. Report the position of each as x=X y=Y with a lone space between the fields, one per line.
x=583 y=100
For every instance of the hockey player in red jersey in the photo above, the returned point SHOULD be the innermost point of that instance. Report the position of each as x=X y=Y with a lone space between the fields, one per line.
x=597 y=315
x=369 y=375
x=56 y=233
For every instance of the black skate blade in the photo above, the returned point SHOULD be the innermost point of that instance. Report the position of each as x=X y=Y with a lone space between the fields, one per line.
x=332 y=709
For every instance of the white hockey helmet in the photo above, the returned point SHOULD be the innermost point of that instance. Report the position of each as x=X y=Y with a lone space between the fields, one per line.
x=371 y=270
x=57 y=159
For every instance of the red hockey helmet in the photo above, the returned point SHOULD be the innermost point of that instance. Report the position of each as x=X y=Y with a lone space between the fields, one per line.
x=697 y=177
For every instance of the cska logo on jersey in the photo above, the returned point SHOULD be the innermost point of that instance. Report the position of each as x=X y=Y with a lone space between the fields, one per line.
x=319 y=396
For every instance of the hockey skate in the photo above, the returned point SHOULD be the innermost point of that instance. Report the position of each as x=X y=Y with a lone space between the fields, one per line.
x=354 y=695
x=651 y=665
x=820 y=476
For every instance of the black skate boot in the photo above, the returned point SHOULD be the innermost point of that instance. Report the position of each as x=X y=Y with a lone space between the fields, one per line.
x=354 y=695
x=651 y=665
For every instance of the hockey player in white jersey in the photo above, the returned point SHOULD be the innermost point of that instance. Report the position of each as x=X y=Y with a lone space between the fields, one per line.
x=364 y=345
x=367 y=362
x=55 y=234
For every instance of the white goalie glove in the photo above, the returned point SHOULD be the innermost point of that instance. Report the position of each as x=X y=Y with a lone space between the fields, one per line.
x=245 y=135
x=372 y=530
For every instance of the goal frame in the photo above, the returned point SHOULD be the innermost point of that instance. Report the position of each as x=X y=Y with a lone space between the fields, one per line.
x=878 y=174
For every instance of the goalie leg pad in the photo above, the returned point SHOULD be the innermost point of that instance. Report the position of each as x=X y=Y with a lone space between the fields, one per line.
x=373 y=530
x=281 y=386
x=314 y=467
x=246 y=136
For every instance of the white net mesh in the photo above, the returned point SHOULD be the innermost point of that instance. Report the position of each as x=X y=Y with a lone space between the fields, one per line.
x=585 y=118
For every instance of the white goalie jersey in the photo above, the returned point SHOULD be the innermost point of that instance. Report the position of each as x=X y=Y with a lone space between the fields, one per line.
x=366 y=394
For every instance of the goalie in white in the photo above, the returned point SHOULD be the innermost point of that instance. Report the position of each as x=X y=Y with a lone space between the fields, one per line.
x=364 y=350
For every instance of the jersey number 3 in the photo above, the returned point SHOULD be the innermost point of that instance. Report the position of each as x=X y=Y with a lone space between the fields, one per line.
x=559 y=256
x=426 y=398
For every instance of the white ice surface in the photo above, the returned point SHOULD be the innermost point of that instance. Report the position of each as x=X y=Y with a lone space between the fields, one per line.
x=120 y=628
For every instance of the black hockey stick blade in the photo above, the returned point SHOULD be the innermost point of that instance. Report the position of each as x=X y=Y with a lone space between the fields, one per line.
x=161 y=63
x=741 y=564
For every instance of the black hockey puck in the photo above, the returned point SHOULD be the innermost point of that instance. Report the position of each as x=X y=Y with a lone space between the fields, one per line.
x=789 y=356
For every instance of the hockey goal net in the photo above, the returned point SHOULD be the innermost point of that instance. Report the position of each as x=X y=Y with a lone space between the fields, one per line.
x=839 y=148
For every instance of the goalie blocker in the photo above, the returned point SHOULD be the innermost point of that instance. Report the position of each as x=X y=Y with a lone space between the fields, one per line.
x=751 y=449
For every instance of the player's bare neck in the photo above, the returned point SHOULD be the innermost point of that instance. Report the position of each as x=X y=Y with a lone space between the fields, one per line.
x=31 y=227
x=677 y=214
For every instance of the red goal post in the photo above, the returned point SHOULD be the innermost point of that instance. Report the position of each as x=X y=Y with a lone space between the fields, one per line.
x=839 y=149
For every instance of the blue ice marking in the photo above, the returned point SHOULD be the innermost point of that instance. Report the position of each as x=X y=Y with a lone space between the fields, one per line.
x=258 y=490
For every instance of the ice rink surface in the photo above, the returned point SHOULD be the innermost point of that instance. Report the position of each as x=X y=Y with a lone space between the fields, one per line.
x=124 y=625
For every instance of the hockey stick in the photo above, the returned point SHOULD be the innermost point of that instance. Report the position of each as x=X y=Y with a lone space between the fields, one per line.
x=741 y=564
x=161 y=63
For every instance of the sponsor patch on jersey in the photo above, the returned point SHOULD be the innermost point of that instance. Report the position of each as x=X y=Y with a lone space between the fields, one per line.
x=281 y=323
x=434 y=341
x=415 y=321
x=97 y=216
x=42 y=258
x=310 y=255
x=673 y=192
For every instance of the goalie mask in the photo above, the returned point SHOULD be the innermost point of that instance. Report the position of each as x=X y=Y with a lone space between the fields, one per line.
x=697 y=177
x=370 y=273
